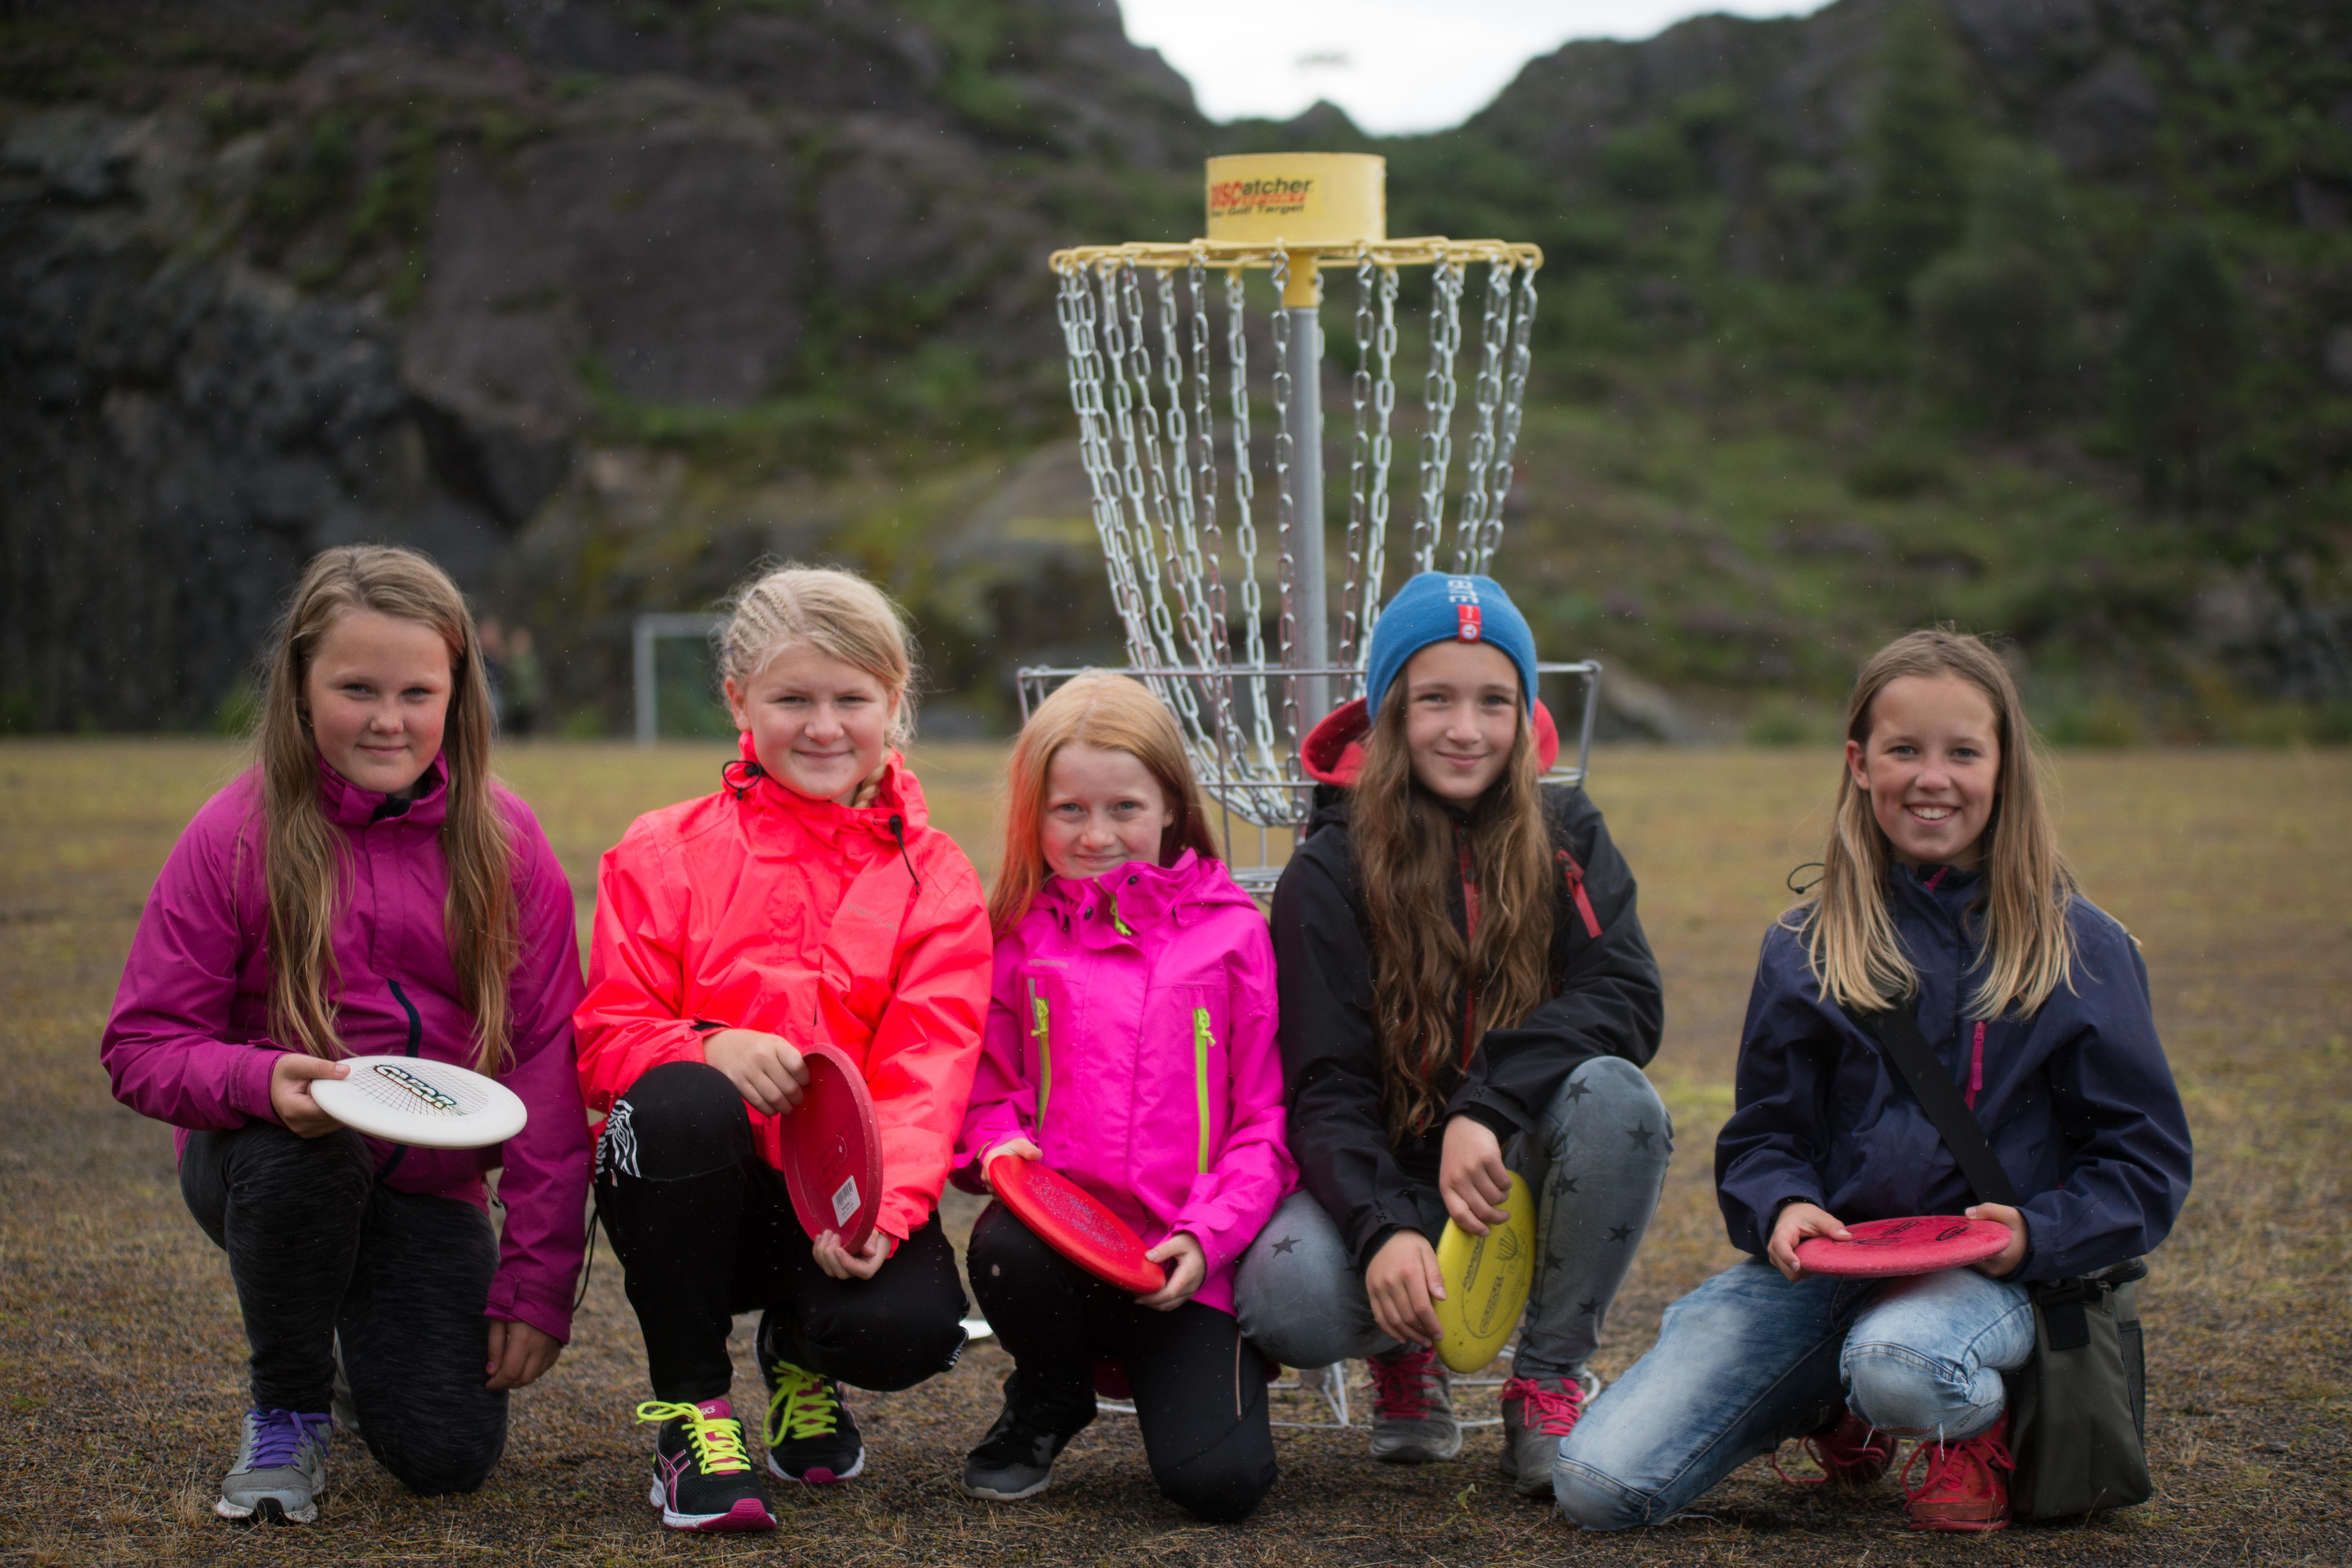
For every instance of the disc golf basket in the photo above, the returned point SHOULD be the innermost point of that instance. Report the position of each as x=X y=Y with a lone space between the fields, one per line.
x=1158 y=338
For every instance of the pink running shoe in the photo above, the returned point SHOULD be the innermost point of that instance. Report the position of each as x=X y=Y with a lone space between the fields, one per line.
x=1851 y=1454
x=1963 y=1490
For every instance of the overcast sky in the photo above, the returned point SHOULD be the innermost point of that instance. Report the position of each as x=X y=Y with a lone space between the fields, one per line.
x=1394 y=65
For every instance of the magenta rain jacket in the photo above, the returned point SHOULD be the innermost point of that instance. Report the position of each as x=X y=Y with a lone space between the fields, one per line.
x=1131 y=1035
x=188 y=1042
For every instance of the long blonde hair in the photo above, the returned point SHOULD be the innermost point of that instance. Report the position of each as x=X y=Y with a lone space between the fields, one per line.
x=303 y=859
x=839 y=614
x=1850 y=944
x=1116 y=713
x=1421 y=966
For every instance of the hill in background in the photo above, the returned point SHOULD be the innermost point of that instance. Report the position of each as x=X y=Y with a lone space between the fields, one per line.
x=2033 y=314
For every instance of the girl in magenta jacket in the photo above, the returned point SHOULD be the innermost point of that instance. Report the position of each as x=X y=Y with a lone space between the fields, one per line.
x=1130 y=1046
x=366 y=889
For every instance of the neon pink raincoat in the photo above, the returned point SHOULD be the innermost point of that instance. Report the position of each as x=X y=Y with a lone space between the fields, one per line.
x=1131 y=1036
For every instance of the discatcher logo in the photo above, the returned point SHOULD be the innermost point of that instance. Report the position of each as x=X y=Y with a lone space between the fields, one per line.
x=1259 y=198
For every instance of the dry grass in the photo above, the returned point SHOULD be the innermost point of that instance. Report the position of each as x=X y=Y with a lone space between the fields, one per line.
x=120 y=1355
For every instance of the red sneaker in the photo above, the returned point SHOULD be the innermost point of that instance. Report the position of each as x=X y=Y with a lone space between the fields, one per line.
x=1851 y=1454
x=1963 y=1488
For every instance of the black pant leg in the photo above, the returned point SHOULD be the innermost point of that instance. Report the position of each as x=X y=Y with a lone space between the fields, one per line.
x=1050 y=1315
x=288 y=1211
x=674 y=1168
x=416 y=1345
x=1199 y=1397
x=885 y=1333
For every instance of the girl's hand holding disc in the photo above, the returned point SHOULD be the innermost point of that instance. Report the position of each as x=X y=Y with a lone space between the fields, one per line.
x=1187 y=1266
x=520 y=1354
x=768 y=1073
x=1403 y=1281
x=290 y=1093
x=1020 y=1146
x=841 y=1263
x=1799 y=1222
x=1471 y=1176
x=2001 y=1264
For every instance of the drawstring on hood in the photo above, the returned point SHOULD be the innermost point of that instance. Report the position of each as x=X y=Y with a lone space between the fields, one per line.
x=752 y=774
x=899 y=832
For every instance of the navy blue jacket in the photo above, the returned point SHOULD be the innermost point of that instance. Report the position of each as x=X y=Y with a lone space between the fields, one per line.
x=2077 y=1099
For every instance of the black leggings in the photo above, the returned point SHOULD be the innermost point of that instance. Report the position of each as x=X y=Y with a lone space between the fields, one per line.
x=1199 y=1387
x=705 y=1228
x=318 y=1247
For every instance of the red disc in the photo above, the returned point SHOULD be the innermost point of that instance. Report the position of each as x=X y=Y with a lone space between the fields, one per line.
x=1073 y=1223
x=1920 y=1245
x=833 y=1150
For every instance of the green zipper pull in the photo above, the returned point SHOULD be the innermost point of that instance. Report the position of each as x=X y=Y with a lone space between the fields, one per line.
x=1204 y=1037
x=1044 y=1055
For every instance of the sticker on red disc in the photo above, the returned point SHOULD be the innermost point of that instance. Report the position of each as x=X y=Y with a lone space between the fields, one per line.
x=1073 y=1223
x=833 y=1150
x=1920 y=1245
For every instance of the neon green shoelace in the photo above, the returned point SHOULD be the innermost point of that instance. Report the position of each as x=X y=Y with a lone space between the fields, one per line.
x=802 y=1405
x=717 y=1441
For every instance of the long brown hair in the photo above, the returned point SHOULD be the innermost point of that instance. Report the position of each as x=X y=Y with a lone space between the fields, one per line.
x=303 y=855
x=1117 y=714
x=1851 y=944
x=1406 y=860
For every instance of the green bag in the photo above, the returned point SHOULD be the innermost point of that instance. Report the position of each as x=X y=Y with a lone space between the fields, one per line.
x=2078 y=1410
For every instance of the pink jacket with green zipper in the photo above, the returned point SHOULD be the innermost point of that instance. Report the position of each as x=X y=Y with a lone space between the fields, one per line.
x=1131 y=1035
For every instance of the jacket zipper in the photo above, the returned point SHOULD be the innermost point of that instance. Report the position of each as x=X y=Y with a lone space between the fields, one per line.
x=1044 y=1055
x=1203 y=1038
x=415 y=1041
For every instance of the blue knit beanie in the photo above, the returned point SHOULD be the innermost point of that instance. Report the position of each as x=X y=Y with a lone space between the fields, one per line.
x=1437 y=606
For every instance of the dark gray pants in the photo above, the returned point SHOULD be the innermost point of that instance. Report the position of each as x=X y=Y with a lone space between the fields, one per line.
x=1596 y=1171
x=318 y=1247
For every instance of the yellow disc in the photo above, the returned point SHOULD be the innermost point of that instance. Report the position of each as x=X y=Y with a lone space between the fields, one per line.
x=1486 y=1281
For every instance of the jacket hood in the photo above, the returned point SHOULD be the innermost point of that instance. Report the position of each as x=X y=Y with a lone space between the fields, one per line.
x=1145 y=894
x=349 y=805
x=1334 y=750
x=897 y=794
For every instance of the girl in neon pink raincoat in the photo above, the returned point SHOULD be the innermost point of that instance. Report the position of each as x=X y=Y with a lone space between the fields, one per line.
x=1131 y=1046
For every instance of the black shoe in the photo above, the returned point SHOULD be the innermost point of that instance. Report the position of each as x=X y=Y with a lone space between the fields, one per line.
x=702 y=1479
x=811 y=1436
x=1017 y=1459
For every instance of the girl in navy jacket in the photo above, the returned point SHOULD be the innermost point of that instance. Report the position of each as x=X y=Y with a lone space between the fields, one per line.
x=1942 y=892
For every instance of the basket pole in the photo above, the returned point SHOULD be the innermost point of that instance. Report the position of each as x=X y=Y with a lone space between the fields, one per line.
x=1314 y=649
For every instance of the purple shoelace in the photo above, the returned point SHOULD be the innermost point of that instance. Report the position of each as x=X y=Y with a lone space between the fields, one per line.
x=277 y=1436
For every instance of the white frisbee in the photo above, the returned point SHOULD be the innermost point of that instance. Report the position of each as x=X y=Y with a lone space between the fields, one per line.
x=408 y=1100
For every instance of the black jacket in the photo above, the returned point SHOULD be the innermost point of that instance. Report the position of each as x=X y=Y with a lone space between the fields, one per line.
x=1608 y=1002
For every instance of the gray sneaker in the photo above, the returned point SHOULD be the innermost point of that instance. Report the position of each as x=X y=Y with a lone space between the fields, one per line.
x=281 y=1467
x=1412 y=1409
x=1538 y=1412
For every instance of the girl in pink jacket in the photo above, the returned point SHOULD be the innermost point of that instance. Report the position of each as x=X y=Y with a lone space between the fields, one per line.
x=366 y=889
x=1130 y=1046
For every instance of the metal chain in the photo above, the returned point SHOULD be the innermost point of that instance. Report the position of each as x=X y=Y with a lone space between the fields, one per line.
x=1515 y=398
x=1284 y=459
x=1079 y=331
x=1152 y=507
x=1437 y=394
x=1211 y=547
x=1383 y=408
x=1359 y=459
x=1245 y=526
x=1493 y=333
x=1179 y=541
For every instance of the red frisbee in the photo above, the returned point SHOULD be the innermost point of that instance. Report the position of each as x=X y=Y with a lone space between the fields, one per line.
x=833 y=1150
x=1920 y=1245
x=1073 y=1223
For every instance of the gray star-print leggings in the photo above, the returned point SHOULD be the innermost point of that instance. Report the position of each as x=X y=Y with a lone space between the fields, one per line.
x=1596 y=1170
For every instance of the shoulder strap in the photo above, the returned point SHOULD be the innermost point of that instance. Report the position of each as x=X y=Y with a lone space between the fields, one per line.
x=1898 y=1035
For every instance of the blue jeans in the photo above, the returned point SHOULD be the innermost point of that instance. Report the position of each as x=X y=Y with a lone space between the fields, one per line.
x=1747 y=1361
x=1596 y=1168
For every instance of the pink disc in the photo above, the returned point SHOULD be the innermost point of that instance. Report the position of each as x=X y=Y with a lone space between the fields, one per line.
x=1073 y=1223
x=833 y=1150
x=1919 y=1245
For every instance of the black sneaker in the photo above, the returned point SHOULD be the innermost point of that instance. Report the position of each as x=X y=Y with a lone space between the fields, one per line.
x=702 y=1479
x=1017 y=1459
x=811 y=1436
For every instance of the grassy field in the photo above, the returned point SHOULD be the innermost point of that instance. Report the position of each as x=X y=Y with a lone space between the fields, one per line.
x=120 y=1356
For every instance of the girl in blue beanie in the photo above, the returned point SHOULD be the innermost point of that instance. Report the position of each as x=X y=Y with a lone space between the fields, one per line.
x=1428 y=1057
